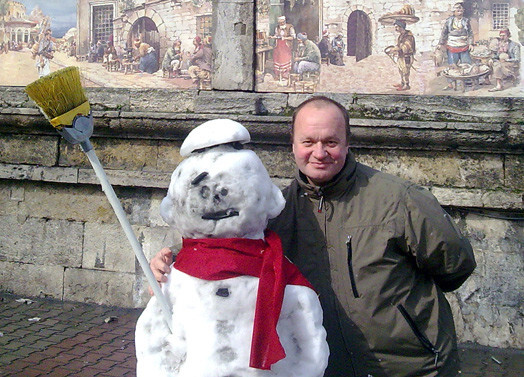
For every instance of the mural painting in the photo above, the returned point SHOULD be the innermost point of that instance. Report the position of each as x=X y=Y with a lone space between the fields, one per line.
x=115 y=43
x=469 y=48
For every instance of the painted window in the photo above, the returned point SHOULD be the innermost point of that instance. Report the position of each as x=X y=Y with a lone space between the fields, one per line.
x=500 y=14
x=102 y=22
x=203 y=26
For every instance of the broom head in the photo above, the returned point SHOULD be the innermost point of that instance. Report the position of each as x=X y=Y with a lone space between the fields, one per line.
x=60 y=96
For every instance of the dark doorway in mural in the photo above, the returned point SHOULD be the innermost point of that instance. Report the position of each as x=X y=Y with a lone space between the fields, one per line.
x=359 y=35
x=102 y=28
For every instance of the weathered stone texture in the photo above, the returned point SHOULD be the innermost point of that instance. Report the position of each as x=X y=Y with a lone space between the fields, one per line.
x=435 y=168
x=100 y=287
x=514 y=165
x=28 y=149
x=34 y=280
x=41 y=241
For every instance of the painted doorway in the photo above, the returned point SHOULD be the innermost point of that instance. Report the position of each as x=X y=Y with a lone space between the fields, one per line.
x=304 y=16
x=359 y=35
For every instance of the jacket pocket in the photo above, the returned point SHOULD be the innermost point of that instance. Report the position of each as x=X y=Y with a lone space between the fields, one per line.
x=350 y=268
x=423 y=339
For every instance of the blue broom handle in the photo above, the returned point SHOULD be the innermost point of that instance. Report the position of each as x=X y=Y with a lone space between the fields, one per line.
x=120 y=214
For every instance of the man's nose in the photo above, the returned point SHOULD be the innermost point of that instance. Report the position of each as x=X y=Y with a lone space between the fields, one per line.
x=319 y=150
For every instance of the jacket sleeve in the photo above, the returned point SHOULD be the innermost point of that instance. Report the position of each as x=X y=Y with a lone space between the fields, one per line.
x=432 y=238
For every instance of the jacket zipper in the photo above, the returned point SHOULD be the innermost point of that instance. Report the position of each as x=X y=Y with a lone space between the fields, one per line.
x=350 y=267
x=426 y=343
x=321 y=201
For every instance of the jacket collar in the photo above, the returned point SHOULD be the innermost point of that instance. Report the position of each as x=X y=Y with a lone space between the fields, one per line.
x=340 y=183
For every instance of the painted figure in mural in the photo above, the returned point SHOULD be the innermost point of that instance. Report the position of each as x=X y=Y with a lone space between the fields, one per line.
x=148 y=61
x=457 y=38
x=201 y=60
x=307 y=58
x=45 y=54
x=338 y=49
x=405 y=49
x=324 y=46
x=172 y=61
x=506 y=63
x=282 y=53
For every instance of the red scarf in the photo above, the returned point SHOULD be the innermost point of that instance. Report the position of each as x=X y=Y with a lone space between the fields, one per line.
x=224 y=258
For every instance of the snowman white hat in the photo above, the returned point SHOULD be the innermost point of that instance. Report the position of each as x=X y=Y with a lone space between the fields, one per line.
x=214 y=132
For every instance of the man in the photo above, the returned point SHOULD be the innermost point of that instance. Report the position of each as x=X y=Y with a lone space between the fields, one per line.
x=507 y=60
x=324 y=46
x=379 y=251
x=282 y=53
x=45 y=54
x=173 y=59
x=405 y=50
x=200 y=61
x=338 y=49
x=308 y=56
x=457 y=38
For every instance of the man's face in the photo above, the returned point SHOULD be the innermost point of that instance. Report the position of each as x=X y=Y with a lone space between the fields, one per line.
x=458 y=11
x=503 y=36
x=319 y=142
x=281 y=22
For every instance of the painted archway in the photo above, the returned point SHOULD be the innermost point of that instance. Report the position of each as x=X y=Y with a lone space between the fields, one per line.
x=359 y=37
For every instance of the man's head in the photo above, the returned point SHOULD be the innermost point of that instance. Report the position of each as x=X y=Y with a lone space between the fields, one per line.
x=282 y=20
x=302 y=37
x=400 y=26
x=320 y=135
x=458 y=10
x=504 y=34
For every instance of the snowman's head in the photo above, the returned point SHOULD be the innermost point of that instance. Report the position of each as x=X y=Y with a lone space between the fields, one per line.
x=220 y=190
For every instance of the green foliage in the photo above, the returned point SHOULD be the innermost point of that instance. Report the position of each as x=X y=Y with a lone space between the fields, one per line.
x=519 y=21
x=3 y=7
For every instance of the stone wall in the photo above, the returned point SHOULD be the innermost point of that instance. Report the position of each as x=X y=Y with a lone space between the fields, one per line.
x=59 y=237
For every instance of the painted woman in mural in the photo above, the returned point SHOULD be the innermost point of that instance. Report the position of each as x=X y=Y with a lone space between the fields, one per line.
x=282 y=54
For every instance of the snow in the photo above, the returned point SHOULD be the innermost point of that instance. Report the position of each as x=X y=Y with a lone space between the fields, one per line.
x=213 y=320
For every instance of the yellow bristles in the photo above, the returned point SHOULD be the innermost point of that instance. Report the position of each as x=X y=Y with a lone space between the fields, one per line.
x=58 y=92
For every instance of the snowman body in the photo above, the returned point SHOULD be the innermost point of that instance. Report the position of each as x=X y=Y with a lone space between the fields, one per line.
x=223 y=193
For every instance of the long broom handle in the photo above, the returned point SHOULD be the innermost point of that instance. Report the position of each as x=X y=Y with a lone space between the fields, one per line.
x=120 y=214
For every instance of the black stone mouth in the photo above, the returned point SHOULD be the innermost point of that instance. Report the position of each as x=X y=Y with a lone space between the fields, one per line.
x=219 y=215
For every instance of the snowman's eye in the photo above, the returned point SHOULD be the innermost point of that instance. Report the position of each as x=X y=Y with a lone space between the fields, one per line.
x=224 y=192
x=204 y=192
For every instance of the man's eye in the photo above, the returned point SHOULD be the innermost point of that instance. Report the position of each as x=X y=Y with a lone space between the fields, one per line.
x=307 y=143
x=332 y=143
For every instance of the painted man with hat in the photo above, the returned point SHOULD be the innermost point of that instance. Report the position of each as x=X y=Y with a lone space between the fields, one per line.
x=506 y=63
x=282 y=54
x=308 y=55
x=405 y=49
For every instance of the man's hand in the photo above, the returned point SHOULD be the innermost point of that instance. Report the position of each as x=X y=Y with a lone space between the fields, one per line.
x=161 y=265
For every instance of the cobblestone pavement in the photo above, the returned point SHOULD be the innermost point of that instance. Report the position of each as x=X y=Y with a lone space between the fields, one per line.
x=43 y=337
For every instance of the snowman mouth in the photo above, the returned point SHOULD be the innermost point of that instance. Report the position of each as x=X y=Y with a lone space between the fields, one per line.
x=219 y=215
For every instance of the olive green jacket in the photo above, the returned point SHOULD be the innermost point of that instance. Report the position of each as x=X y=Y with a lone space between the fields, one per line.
x=379 y=251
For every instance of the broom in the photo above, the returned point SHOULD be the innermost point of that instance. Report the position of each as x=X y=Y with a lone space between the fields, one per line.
x=62 y=100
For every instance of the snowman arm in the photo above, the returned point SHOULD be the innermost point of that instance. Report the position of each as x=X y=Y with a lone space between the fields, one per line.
x=305 y=317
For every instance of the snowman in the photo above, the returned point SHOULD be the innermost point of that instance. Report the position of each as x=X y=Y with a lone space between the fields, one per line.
x=239 y=307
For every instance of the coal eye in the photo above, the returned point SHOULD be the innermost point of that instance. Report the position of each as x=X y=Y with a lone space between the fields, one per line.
x=204 y=192
x=224 y=192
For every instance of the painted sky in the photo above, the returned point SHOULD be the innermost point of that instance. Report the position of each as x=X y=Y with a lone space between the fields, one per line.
x=62 y=12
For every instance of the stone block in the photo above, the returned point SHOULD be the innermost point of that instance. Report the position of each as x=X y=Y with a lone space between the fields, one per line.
x=476 y=198
x=38 y=173
x=279 y=161
x=33 y=280
x=129 y=178
x=514 y=165
x=434 y=168
x=11 y=193
x=99 y=287
x=41 y=241
x=168 y=156
x=106 y=247
x=163 y=100
x=114 y=154
x=78 y=203
x=28 y=149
